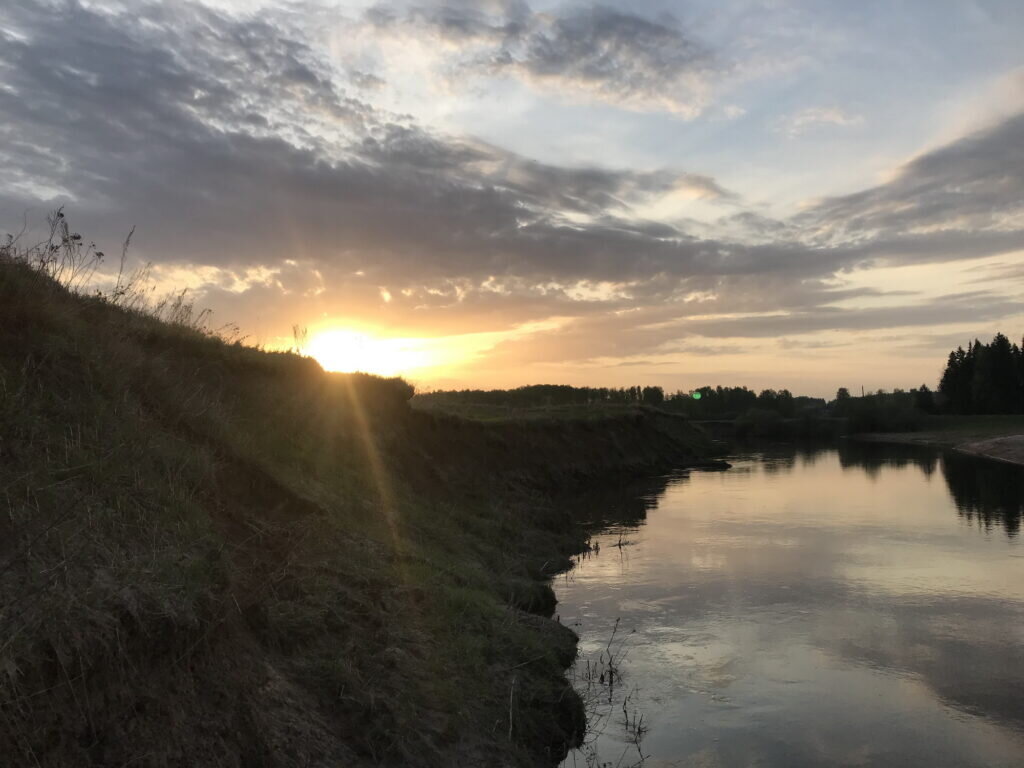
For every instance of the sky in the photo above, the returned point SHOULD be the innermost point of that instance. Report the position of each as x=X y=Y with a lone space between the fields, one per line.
x=770 y=193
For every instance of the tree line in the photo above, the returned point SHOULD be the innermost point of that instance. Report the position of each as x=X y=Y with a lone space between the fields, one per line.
x=541 y=395
x=731 y=402
x=984 y=378
x=703 y=403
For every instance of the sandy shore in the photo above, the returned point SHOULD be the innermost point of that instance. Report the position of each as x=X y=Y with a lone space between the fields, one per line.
x=1008 y=448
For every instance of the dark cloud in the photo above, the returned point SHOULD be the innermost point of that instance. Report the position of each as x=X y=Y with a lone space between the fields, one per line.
x=971 y=307
x=540 y=186
x=598 y=51
x=753 y=227
x=974 y=183
x=165 y=129
x=618 y=54
x=455 y=21
x=1000 y=272
x=366 y=80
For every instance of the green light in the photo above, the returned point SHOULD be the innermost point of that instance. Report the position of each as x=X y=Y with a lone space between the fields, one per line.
x=696 y=395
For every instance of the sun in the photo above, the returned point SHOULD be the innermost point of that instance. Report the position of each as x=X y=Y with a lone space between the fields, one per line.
x=347 y=351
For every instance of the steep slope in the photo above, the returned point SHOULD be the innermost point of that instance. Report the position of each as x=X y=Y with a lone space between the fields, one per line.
x=215 y=555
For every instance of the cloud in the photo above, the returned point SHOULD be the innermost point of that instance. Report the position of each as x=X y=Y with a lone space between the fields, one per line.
x=366 y=80
x=234 y=143
x=975 y=183
x=581 y=189
x=162 y=139
x=645 y=363
x=593 y=52
x=972 y=307
x=814 y=118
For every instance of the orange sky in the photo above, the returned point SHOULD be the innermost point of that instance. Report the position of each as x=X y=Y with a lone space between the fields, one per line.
x=487 y=194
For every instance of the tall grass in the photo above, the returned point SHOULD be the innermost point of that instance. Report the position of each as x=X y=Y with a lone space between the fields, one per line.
x=74 y=263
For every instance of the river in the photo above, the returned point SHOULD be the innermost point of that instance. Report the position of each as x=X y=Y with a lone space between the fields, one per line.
x=860 y=605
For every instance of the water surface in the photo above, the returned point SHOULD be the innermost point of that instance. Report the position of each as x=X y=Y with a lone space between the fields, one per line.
x=855 y=606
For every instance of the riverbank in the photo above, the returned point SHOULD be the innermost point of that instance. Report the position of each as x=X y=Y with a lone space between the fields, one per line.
x=994 y=437
x=212 y=554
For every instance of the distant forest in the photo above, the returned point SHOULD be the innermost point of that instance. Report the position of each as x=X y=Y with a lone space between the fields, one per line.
x=703 y=403
x=983 y=379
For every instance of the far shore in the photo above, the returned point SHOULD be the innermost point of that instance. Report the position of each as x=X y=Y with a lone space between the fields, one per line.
x=994 y=437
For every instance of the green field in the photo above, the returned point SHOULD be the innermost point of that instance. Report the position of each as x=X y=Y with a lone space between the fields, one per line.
x=951 y=431
x=486 y=412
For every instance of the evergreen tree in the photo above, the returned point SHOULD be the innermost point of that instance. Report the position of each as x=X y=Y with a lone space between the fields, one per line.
x=986 y=378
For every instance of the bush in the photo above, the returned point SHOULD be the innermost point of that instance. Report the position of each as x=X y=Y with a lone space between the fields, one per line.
x=879 y=413
x=758 y=422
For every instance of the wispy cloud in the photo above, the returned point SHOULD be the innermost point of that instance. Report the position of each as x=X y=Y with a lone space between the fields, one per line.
x=972 y=184
x=815 y=118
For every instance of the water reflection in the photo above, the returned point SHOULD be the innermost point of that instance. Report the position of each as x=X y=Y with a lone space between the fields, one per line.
x=872 y=458
x=988 y=492
x=817 y=607
x=623 y=504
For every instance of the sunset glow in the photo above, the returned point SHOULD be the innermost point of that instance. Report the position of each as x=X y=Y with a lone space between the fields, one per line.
x=347 y=351
x=794 y=195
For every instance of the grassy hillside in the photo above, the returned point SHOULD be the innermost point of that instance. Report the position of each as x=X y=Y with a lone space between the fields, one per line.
x=215 y=555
